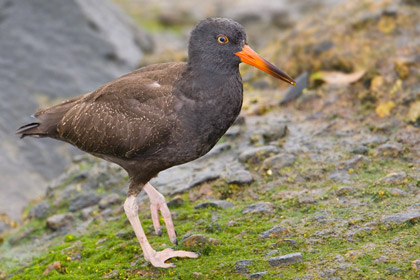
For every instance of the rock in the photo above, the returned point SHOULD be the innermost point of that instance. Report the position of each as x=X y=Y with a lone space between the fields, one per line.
x=394 y=178
x=39 y=211
x=255 y=154
x=239 y=177
x=108 y=200
x=53 y=266
x=400 y=218
x=260 y=207
x=126 y=235
x=198 y=241
x=278 y=161
x=306 y=200
x=241 y=266
x=177 y=201
x=286 y=259
x=86 y=213
x=275 y=231
x=3 y=227
x=293 y=93
x=74 y=251
x=215 y=204
x=257 y=275
x=84 y=200
x=328 y=272
x=339 y=176
x=344 y=191
x=393 y=269
x=233 y=131
x=359 y=150
x=111 y=275
x=355 y=162
x=15 y=239
x=390 y=149
x=398 y=192
x=274 y=132
x=272 y=252
x=73 y=47
x=416 y=264
x=59 y=221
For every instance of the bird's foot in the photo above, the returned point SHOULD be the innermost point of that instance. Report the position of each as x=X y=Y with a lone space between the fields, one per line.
x=158 y=203
x=157 y=259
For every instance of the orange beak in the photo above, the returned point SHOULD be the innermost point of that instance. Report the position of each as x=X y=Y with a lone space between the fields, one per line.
x=250 y=57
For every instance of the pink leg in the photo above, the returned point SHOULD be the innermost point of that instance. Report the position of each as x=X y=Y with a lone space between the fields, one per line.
x=158 y=202
x=157 y=259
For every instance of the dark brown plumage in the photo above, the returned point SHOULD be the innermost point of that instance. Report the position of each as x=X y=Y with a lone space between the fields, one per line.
x=160 y=115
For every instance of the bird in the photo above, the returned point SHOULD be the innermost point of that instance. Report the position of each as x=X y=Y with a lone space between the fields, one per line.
x=159 y=116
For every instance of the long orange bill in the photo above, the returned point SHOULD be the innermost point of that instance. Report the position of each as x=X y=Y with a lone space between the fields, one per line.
x=250 y=57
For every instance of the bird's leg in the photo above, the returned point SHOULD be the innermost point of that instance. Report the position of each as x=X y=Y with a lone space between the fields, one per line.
x=158 y=202
x=157 y=259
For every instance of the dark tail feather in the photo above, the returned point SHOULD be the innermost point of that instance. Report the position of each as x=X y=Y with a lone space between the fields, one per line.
x=31 y=129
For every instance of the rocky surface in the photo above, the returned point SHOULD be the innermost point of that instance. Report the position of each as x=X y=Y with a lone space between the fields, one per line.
x=51 y=51
x=335 y=189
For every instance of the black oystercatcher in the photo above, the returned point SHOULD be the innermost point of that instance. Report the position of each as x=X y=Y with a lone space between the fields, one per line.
x=159 y=116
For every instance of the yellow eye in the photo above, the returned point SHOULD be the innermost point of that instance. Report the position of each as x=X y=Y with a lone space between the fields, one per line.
x=222 y=39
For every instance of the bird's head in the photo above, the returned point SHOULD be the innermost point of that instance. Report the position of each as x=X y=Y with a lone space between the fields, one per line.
x=219 y=44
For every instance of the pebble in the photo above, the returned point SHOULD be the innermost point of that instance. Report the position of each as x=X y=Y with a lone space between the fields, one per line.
x=198 y=241
x=279 y=161
x=344 y=191
x=254 y=154
x=239 y=177
x=286 y=259
x=84 y=200
x=215 y=204
x=416 y=264
x=126 y=235
x=177 y=201
x=241 y=266
x=272 y=252
x=59 y=221
x=74 y=251
x=293 y=93
x=398 y=192
x=259 y=207
x=40 y=210
x=111 y=275
x=339 y=176
x=399 y=218
x=394 y=178
x=359 y=150
x=257 y=275
x=390 y=149
x=233 y=131
x=275 y=231
x=109 y=200
x=355 y=162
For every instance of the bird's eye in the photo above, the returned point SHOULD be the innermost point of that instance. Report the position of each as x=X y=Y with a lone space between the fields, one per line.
x=222 y=39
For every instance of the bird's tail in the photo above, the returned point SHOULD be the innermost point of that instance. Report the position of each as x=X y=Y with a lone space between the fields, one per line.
x=47 y=120
x=30 y=129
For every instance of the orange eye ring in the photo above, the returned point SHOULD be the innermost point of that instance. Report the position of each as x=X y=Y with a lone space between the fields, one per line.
x=222 y=39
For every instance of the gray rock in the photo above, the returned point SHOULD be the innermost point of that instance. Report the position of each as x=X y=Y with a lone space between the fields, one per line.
x=393 y=269
x=198 y=241
x=109 y=200
x=286 y=259
x=397 y=192
x=84 y=200
x=275 y=231
x=274 y=131
x=40 y=210
x=60 y=221
x=257 y=275
x=71 y=46
x=339 y=176
x=126 y=235
x=233 y=131
x=359 y=150
x=390 y=149
x=272 y=252
x=111 y=275
x=241 y=266
x=328 y=272
x=254 y=154
x=177 y=201
x=215 y=204
x=345 y=191
x=355 y=162
x=279 y=161
x=239 y=177
x=3 y=227
x=394 y=178
x=260 y=207
x=293 y=93
x=399 y=218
